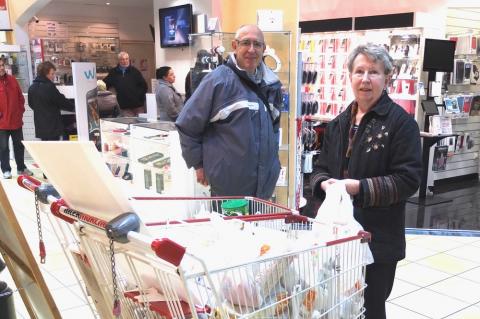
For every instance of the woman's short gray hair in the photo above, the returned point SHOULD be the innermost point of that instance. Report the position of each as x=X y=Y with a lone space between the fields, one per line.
x=376 y=53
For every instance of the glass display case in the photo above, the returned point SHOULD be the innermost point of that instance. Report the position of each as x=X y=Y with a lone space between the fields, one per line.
x=157 y=164
x=209 y=50
x=115 y=139
x=17 y=65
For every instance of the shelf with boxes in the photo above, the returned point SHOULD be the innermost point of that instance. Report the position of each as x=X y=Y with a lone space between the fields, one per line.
x=64 y=42
x=115 y=139
x=325 y=71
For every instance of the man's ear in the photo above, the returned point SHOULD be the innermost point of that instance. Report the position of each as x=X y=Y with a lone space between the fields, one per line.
x=234 y=44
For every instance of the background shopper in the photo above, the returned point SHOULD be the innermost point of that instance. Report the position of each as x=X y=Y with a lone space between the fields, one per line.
x=169 y=101
x=374 y=147
x=197 y=73
x=46 y=102
x=12 y=107
x=106 y=101
x=130 y=86
x=228 y=130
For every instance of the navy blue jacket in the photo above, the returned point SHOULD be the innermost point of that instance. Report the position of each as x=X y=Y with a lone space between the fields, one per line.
x=226 y=129
x=386 y=158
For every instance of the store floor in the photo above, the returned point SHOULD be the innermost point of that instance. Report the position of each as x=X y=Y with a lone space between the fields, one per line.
x=440 y=277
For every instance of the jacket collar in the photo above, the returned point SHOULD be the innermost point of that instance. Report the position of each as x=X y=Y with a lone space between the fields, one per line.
x=127 y=69
x=382 y=107
x=268 y=76
x=42 y=79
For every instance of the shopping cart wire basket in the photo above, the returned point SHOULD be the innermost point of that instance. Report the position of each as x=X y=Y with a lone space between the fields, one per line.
x=201 y=268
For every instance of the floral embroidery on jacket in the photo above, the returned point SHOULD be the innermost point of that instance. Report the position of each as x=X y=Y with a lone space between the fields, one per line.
x=376 y=136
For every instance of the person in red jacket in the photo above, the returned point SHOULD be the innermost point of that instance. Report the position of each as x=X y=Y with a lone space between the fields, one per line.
x=11 y=115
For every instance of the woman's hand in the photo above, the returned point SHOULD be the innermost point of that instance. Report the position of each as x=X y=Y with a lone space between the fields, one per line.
x=352 y=186
x=325 y=184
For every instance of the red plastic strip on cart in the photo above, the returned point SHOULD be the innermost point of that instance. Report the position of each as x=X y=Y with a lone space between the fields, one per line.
x=257 y=200
x=246 y=218
x=363 y=235
x=43 y=253
x=168 y=250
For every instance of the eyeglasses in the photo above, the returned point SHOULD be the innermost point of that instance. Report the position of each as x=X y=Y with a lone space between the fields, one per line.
x=248 y=43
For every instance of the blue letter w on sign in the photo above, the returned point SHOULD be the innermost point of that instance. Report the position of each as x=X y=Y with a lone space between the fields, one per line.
x=89 y=74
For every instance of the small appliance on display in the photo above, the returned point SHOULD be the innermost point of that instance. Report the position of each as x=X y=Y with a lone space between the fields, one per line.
x=175 y=25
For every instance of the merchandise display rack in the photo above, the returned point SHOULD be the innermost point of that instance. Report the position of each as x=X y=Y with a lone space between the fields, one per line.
x=324 y=85
x=324 y=81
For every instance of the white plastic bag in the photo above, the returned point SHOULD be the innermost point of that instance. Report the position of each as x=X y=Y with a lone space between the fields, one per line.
x=336 y=211
x=337 y=207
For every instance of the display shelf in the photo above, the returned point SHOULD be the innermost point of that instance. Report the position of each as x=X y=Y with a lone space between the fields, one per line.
x=115 y=139
x=157 y=163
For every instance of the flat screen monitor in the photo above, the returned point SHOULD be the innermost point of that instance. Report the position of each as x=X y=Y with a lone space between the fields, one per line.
x=430 y=107
x=438 y=55
x=175 y=25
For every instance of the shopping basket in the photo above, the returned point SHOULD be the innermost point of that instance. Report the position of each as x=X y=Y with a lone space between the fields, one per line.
x=147 y=277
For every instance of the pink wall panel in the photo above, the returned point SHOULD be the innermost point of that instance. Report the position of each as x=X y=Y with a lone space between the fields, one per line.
x=332 y=9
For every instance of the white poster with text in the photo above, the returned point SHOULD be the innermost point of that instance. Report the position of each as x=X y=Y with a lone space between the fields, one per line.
x=86 y=107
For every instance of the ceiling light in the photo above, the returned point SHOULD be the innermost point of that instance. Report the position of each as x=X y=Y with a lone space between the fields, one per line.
x=107 y=3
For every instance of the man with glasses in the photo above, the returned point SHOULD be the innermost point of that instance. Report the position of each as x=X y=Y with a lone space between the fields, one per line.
x=229 y=127
x=11 y=121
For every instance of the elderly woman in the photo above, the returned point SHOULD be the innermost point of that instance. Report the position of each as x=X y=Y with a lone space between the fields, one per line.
x=169 y=101
x=374 y=147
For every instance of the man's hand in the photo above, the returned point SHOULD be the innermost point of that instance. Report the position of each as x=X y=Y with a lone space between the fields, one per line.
x=201 y=179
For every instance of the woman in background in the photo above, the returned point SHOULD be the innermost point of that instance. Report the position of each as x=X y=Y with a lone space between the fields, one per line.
x=46 y=102
x=169 y=101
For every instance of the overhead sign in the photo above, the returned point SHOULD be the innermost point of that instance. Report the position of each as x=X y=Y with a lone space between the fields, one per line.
x=4 y=17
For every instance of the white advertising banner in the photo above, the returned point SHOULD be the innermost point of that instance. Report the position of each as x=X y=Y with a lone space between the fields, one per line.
x=86 y=107
x=4 y=17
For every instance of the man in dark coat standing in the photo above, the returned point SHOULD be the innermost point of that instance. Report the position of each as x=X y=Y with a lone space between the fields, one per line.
x=130 y=86
x=11 y=114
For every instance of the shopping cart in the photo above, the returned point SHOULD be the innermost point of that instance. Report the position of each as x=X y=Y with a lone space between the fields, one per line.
x=147 y=277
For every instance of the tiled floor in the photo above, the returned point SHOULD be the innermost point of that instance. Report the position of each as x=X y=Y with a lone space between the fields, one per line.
x=440 y=278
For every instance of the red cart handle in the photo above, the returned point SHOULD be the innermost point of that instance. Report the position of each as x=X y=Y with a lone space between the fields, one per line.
x=28 y=182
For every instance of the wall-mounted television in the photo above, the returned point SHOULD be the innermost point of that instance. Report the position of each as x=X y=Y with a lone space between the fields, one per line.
x=438 y=55
x=175 y=25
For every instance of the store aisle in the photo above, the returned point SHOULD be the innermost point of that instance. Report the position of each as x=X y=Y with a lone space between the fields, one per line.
x=440 y=278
